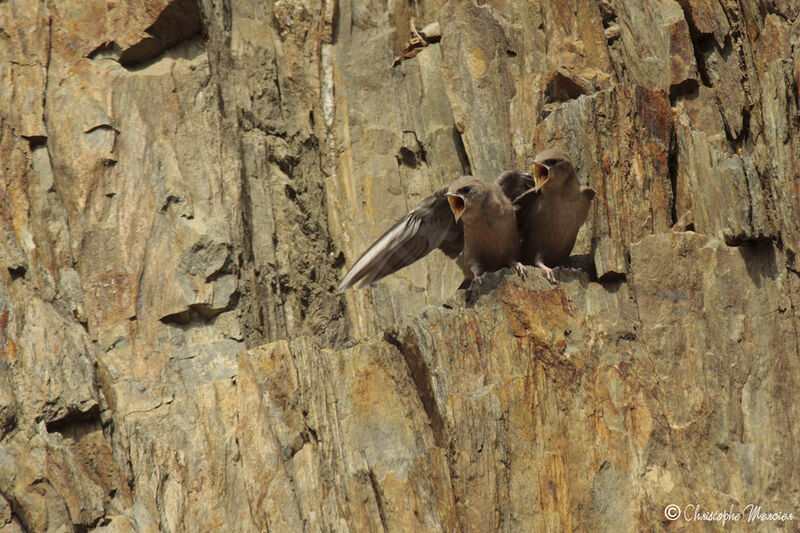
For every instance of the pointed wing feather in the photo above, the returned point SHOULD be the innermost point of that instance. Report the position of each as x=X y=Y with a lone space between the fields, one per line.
x=515 y=183
x=520 y=188
x=428 y=226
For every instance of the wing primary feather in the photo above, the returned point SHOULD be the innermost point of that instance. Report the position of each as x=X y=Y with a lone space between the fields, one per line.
x=525 y=197
x=395 y=260
x=430 y=225
x=515 y=183
x=376 y=255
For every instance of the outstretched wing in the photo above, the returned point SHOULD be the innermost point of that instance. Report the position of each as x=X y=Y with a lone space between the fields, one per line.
x=515 y=183
x=428 y=226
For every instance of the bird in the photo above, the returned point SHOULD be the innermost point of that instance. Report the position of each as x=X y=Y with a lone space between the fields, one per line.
x=551 y=213
x=490 y=236
x=486 y=225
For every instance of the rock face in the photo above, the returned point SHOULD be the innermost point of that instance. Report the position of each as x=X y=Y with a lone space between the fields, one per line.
x=184 y=182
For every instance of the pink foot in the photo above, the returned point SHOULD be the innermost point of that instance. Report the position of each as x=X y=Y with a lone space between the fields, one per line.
x=520 y=268
x=477 y=272
x=548 y=272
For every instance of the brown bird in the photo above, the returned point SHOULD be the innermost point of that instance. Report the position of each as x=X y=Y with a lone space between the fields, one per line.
x=491 y=240
x=470 y=217
x=533 y=218
x=551 y=214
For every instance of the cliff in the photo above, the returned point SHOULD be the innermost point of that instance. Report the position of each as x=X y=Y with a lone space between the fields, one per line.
x=184 y=182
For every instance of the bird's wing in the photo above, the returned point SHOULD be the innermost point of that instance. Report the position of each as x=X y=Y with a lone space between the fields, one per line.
x=524 y=203
x=428 y=226
x=520 y=188
x=529 y=231
x=515 y=183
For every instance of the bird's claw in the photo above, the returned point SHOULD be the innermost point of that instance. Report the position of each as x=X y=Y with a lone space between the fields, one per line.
x=478 y=280
x=520 y=268
x=549 y=273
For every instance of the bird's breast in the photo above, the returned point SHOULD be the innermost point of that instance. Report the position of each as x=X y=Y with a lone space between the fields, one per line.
x=492 y=243
x=550 y=232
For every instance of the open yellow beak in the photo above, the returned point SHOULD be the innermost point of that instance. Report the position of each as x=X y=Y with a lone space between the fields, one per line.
x=457 y=204
x=541 y=173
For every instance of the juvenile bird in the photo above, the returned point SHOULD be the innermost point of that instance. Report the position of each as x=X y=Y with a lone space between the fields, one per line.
x=520 y=218
x=470 y=217
x=491 y=240
x=551 y=214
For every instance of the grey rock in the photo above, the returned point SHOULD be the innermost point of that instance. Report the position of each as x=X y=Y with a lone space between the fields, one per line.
x=609 y=259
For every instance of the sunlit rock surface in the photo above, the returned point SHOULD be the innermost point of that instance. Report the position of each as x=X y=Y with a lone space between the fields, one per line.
x=184 y=183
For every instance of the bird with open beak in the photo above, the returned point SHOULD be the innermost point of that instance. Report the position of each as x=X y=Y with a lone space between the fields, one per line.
x=551 y=214
x=470 y=218
x=491 y=241
x=519 y=218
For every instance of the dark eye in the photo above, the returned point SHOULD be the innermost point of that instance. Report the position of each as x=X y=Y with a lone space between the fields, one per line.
x=465 y=190
x=551 y=162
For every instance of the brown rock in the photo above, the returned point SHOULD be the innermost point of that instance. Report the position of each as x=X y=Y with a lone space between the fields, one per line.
x=183 y=183
x=708 y=17
x=664 y=56
x=477 y=75
x=609 y=259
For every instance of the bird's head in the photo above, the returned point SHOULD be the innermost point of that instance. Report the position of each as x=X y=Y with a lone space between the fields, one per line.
x=465 y=195
x=552 y=168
